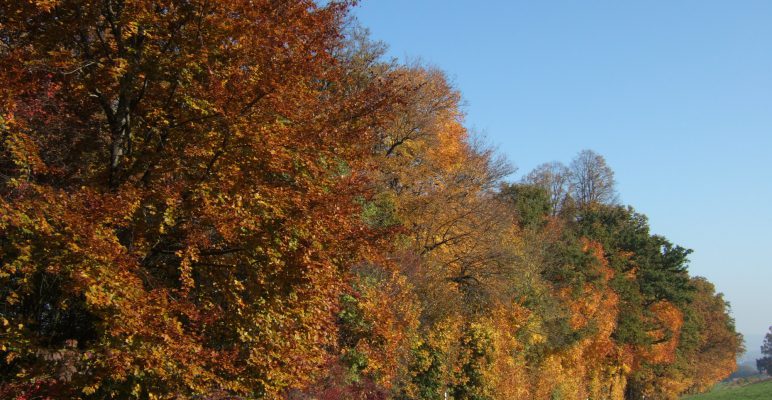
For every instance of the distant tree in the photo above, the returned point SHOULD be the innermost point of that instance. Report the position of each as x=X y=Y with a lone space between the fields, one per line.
x=764 y=364
x=591 y=179
x=555 y=178
x=743 y=371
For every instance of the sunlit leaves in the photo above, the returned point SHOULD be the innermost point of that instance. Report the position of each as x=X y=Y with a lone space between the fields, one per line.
x=232 y=198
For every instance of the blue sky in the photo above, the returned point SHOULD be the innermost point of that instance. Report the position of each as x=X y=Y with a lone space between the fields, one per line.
x=677 y=95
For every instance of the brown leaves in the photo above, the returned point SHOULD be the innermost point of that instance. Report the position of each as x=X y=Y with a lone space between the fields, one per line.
x=188 y=185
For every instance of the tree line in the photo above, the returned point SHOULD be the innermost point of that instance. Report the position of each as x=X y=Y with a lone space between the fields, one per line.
x=246 y=199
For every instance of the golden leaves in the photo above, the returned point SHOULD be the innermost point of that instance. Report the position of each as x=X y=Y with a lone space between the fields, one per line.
x=186 y=188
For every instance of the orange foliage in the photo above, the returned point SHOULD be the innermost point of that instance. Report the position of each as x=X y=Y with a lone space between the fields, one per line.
x=215 y=199
x=181 y=180
x=669 y=319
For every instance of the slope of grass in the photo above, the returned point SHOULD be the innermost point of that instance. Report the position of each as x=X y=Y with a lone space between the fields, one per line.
x=753 y=391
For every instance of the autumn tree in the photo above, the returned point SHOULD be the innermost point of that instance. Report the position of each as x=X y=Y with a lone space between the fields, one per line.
x=244 y=198
x=654 y=337
x=180 y=194
x=442 y=182
x=710 y=344
x=456 y=247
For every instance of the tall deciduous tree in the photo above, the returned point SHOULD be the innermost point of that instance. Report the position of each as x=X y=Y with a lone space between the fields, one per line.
x=555 y=178
x=179 y=194
x=592 y=180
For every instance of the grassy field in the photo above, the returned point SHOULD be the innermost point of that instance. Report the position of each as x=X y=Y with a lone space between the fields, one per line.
x=753 y=391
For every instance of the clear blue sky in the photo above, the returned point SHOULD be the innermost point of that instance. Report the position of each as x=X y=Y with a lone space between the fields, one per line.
x=677 y=95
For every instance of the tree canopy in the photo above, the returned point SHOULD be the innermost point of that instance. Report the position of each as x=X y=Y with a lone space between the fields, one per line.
x=243 y=199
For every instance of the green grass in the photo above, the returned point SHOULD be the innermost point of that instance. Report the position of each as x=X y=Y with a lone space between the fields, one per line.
x=752 y=391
